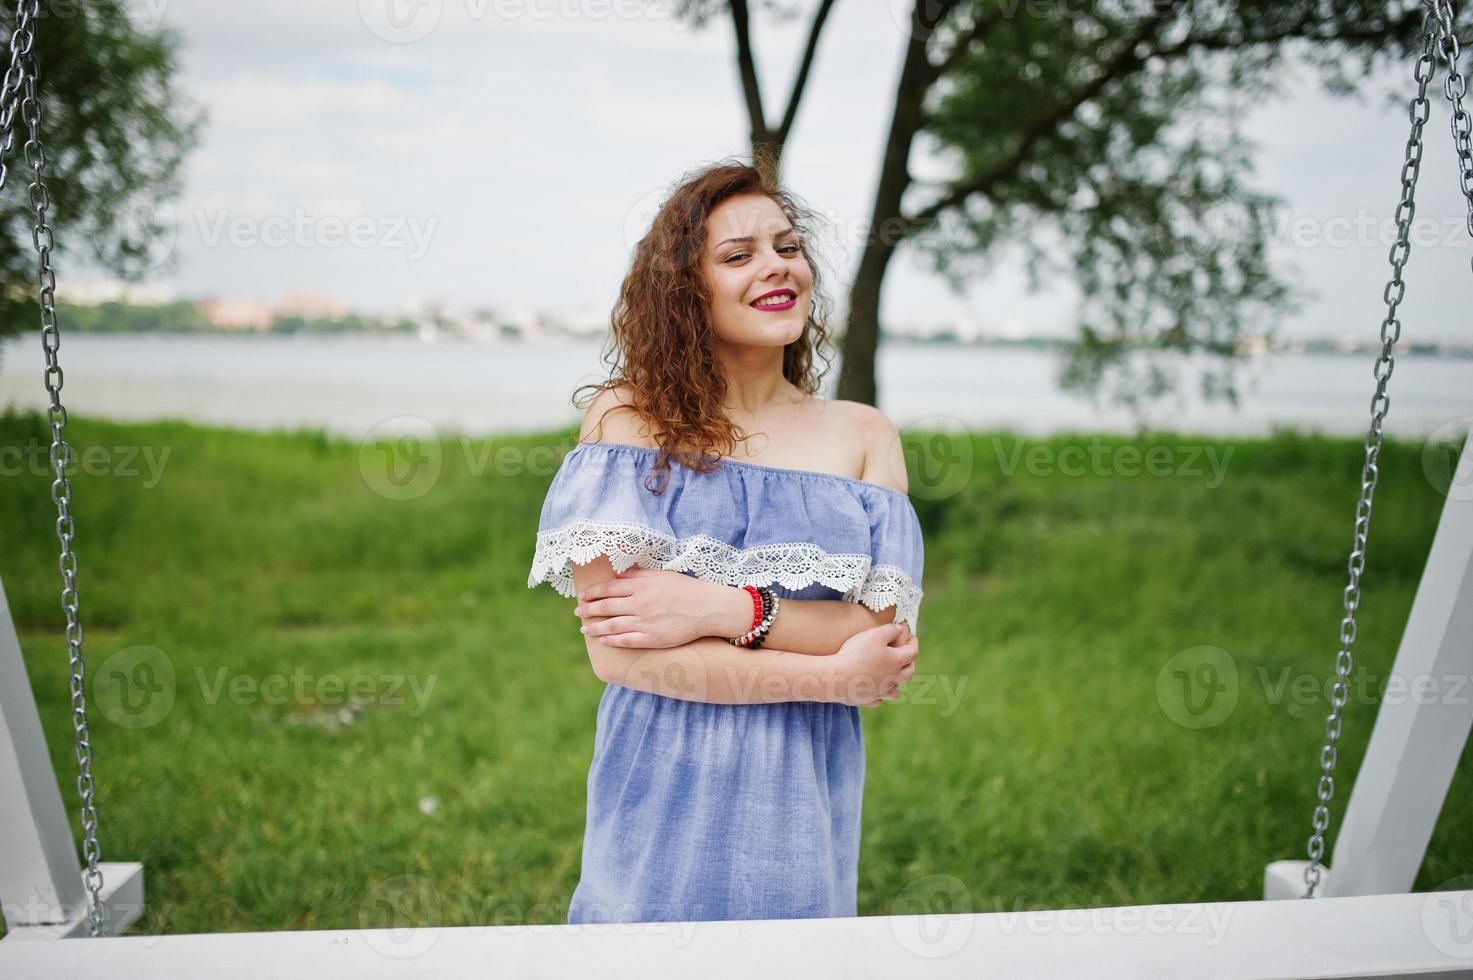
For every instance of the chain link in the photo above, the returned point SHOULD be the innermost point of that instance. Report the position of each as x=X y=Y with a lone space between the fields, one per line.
x=1419 y=110
x=1455 y=87
x=21 y=40
x=21 y=79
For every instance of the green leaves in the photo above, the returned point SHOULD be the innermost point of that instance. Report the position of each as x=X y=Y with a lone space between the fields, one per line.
x=116 y=132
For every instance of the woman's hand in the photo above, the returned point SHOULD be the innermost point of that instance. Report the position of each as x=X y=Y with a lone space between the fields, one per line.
x=653 y=608
x=872 y=664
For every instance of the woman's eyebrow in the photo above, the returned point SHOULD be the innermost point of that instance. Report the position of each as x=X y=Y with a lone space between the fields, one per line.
x=748 y=238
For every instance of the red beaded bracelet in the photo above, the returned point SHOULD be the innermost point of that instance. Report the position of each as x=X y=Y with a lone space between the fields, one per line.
x=757 y=635
x=756 y=606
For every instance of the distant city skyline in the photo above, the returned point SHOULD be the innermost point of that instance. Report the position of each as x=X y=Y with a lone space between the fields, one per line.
x=488 y=323
x=406 y=171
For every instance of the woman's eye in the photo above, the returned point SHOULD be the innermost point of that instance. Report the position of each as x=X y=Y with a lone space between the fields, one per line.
x=784 y=249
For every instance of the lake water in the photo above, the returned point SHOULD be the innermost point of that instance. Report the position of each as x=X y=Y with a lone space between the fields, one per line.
x=351 y=385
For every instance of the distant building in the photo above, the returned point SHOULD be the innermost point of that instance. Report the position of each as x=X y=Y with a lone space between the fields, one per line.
x=311 y=306
x=236 y=314
x=90 y=292
x=521 y=323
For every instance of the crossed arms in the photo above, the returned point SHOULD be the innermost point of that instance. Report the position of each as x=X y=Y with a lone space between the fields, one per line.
x=790 y=666
x=795 y=662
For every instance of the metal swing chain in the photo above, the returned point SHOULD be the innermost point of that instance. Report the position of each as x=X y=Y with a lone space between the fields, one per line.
x=1419 y=110
x=1455 y=87
x=20 y=44
x=20 y=37
x=23 y=73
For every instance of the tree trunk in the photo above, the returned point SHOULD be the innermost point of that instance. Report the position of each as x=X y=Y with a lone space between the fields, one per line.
x=767 y=155
x=886 y=230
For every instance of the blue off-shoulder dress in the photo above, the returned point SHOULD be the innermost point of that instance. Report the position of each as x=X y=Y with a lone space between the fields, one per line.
x=700 y=811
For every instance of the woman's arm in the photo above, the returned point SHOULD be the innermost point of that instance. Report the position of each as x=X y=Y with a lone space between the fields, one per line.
x=816 y=627
x=714 y=671
x=820 y=626
x=811 y=626
x=706 y=669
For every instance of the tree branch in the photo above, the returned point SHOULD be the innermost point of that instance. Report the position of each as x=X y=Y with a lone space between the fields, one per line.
x=746 y=64
x=1125 y=62
x=807 y=63
x=981 y=26
x=1303 y=30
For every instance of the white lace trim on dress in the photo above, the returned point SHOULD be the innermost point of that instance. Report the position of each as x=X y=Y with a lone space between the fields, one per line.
x=793 y=565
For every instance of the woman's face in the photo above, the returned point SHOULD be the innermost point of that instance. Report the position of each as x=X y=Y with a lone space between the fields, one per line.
x=753 y=251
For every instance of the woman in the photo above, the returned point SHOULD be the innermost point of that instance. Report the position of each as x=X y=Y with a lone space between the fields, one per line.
x=739 y=608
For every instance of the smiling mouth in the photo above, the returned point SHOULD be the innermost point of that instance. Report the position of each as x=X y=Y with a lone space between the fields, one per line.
x=784 y=300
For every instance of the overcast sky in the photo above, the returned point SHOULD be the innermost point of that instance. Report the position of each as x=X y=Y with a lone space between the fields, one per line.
x=508 y=152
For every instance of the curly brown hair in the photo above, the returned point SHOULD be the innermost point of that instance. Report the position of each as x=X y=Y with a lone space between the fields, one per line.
x=660 y=336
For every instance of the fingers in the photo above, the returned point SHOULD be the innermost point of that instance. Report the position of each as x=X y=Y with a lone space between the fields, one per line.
x=890 y=694
x=599 y=607
x=601 y=626
x=618 y=585
x=636 y=639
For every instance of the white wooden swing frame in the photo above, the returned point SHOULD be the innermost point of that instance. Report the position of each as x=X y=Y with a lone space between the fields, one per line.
x=1363 y=922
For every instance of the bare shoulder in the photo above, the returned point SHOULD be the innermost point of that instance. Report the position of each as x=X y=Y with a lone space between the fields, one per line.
x=611 y=417
x=884 y=455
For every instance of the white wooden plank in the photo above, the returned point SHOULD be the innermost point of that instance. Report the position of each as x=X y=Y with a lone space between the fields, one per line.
x=1423 y=721
x=1285 y=880
x=122 y=902
x=40 y=876
x=1427 y=934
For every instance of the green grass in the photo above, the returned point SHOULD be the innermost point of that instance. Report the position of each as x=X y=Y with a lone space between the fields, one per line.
x=1048 y=773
